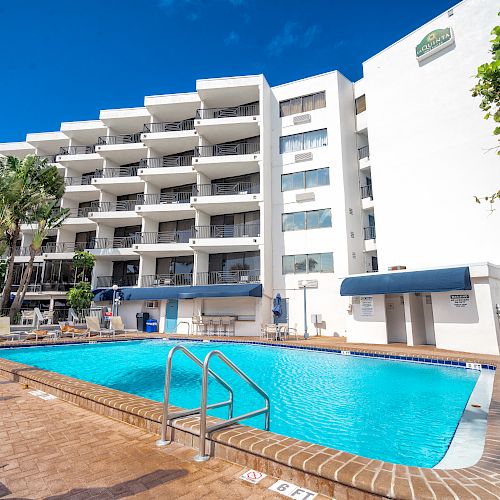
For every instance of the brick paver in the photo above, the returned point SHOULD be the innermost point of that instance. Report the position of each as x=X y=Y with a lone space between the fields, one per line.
x=54 y=450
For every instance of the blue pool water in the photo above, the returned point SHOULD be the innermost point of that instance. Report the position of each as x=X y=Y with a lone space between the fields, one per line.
x=395 y=411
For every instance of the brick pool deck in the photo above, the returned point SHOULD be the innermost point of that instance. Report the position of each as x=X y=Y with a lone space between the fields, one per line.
x=336 y=474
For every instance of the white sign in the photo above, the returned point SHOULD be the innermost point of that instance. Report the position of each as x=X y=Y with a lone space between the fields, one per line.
x=292 y=491
x=460 y=300
x=367 y=309
x=253 y=476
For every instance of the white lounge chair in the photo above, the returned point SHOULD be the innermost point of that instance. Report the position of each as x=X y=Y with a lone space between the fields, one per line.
x=118 y=326
x=94 y=327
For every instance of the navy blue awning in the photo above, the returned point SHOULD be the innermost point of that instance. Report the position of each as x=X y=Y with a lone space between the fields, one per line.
x=432 y=280
x=181 y=292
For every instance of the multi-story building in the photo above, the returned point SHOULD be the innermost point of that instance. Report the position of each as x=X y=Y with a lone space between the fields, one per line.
x=212 y=202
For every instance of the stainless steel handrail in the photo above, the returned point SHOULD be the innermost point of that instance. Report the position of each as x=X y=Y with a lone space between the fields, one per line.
x=202 y=456
x=166 y=393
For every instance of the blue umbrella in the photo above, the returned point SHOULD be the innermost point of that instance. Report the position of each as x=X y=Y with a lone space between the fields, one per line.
x=277 y=311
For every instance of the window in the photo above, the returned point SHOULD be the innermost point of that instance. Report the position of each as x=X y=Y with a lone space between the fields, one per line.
x=360 y=104
x=307 y=179
x=312 y=219
x=303 y=103
x=311 y=263
x=305 y=140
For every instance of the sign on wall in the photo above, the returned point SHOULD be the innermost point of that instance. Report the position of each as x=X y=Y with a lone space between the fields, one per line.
x=366 y=306
x=434 y=42
x=460 y=301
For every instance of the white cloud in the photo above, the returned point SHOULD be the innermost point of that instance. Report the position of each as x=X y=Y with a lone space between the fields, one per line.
x=232 y=38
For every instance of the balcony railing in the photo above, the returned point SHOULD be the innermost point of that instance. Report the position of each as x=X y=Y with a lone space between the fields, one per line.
x=369 y=233
x=114 y=206
x=167 y=161
x=163 y=198
x=230 y=112
x=185 y=279
x=108 y=173
x=112 y=140
x=364 y=152
x=57 y=286
x=164 y=237
x=80 y=212
x=77 y=150
x=241 y=148
x=169 y=126
x=84 y=180
x=49 y=158
x=67 y=246
x=228 y=277
x=121 y=280
x=227 y=188
x=117 y=242
x=227 y=231
x=366 y=191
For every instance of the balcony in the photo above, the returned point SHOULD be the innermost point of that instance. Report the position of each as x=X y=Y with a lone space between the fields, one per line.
x=53 y=250
x=117 y=242
x=49 y=158
x=79 y=212
x=226 y=238
x=163 y=198
x=118 y=180
x=228 y=123
x=84 y=180
x=114 y=206
x=82 y=158
x=170 y=137
x=364 y=157
x=164 y=244
x=369 y=233
x=163 y=207
x=237 y=157
x=167 y=161
x=151 y=280
x=115 y=213
x=121 y=148
x=123 y=280
x=228 y=277
x=237 y=197
x=76 y=150
x=169 y=170
x=367 y=197
x=78 y=219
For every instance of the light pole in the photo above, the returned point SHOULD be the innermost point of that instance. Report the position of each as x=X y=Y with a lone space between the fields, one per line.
x=114 y=306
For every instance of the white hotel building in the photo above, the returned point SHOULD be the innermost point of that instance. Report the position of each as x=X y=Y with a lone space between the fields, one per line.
x=210 y=203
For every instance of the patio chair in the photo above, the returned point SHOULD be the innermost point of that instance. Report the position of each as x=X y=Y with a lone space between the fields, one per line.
x=118 y=326
x=94 y=326
x=27 y=317
x=48 y=316
x=5 y=332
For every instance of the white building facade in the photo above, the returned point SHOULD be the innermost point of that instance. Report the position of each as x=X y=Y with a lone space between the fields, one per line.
x=210 y=203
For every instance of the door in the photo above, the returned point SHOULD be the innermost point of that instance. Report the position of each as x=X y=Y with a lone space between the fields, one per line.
x=171 y=316
x=395 y=319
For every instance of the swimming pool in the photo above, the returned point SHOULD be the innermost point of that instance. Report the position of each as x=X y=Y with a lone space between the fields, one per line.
x=390 y=410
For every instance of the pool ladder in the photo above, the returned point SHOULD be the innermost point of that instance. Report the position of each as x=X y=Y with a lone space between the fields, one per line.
x=205 y=430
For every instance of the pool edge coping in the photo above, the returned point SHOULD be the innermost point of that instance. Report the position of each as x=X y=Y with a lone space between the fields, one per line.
x=325 y=464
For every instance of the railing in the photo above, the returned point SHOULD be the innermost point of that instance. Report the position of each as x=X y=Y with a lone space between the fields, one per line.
x=364 y=152
x=227 y=277
x=229 y=112
x=117 y=242
x=107 y=173
x=77 y=150
x=163 y=237
x=57 y=286
x=366 y=191
x=80 y=212
x=163 y=198
x=84 y=180
x=114 y=206
x=167 y=161
x=120 y=280
x=167 y=416
x=227 y=188
x=49 y=158
x=67 y=247
x=369 y=233
x=169 y=126
x=111 y=140
x=53 y=317
x=241 y=148
x=227 y=231
x=184 y=279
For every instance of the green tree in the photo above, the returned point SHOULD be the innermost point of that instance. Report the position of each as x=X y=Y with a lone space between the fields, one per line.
x=47 y=217
x=487 y=89
x=80 y=296
x=25 y=186
x=83 y=263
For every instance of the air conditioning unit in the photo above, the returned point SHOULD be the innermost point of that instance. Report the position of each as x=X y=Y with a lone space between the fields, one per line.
x=151 y=304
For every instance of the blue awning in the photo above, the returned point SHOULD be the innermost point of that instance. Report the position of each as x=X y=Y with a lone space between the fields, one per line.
x=432 y=280
x=181 y=292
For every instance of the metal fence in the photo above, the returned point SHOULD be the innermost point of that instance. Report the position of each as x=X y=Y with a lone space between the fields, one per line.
x=364 y=152
x=228 y=112
x=77 y=150
x=164 y=237
x=111 y=140
x=150 y=280
x=227 y=188
x=227 y=231
x=369 y=233
x=122 y=280
x=224 y=277
x=118 y=242
x=366 y=191
x=117 y=172
x=163 y=198
x=240 y=148
x=169 y=126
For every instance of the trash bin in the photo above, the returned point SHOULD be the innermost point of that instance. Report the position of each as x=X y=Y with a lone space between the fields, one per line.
x=142 y=317
x=151 y=325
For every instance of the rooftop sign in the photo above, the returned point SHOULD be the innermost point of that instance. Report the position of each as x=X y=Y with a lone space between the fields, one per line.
x=434 y=42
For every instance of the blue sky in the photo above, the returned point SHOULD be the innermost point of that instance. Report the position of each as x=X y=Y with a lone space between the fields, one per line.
x=64 y=60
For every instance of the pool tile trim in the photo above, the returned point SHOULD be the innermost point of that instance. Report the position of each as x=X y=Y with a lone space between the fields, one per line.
x=321 y=469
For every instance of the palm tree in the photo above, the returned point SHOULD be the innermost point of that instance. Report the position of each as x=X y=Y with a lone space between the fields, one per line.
x=49 y=217
x=25 y=186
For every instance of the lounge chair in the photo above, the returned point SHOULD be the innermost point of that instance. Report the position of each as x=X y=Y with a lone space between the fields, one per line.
x=68 y=330
x=118 y=326
x=94 y=327
x=6 y=334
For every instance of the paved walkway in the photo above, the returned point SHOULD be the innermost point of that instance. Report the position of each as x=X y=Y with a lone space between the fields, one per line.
x=54 y=450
